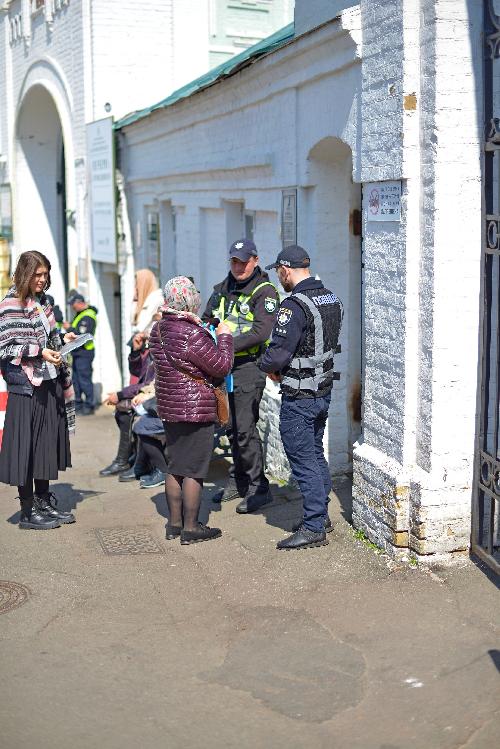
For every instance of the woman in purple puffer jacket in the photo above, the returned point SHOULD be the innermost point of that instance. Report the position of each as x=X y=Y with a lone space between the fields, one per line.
x=186 y=358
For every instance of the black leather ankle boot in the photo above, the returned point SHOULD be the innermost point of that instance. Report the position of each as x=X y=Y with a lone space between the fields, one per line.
x=32 y=517
x=47 y=504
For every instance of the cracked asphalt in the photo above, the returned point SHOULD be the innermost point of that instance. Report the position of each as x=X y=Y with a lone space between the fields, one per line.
x=231 y=643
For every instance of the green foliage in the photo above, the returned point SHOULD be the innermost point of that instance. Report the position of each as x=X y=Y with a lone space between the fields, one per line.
x=360 y=535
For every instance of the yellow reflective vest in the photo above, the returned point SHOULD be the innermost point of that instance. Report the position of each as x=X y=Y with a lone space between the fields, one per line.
x=89 y=346
x=239 y=318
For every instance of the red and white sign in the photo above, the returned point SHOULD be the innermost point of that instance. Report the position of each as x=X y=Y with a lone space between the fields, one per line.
x=384 y=201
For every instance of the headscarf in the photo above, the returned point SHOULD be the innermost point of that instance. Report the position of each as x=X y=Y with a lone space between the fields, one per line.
x=146 y=283
x=182 y=298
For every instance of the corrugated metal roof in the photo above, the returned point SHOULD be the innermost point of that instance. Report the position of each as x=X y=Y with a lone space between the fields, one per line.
x=226 y=69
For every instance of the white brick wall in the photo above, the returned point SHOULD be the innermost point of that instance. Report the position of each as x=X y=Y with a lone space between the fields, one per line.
x=413 y=467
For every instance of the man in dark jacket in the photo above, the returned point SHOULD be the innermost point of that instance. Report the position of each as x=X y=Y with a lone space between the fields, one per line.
x=300 y=357
x=246 y=301
x=84 y=321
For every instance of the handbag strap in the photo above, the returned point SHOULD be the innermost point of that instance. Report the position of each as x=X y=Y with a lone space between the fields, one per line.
x=180 y=369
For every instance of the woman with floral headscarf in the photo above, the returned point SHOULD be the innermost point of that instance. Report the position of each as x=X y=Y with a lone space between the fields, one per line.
x=188 y=363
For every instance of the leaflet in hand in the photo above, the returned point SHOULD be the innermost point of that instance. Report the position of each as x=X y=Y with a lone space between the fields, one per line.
x=79 y=341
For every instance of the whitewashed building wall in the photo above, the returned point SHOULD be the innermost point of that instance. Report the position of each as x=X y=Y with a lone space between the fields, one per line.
x=287 y=121
x=390 y=90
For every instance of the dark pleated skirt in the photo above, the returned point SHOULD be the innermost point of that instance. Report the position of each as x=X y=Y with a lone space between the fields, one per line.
x=189 y=448
x=35 y=438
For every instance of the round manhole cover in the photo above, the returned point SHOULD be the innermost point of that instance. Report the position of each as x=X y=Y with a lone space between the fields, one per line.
x=12 y=595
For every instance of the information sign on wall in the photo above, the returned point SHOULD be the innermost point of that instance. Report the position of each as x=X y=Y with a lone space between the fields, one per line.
x=383 y=201
x=289 y=217
x=101 y=170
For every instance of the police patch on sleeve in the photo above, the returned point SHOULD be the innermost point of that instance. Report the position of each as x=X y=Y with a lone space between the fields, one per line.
x=284 y=316
x=270 y=304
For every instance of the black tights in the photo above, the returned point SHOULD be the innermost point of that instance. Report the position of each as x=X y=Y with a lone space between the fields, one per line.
x=26 y=491
x=184 y=500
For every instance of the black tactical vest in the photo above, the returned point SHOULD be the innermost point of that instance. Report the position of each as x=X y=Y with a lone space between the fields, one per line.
x=310 y=373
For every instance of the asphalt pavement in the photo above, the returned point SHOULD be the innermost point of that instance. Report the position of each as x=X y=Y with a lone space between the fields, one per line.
x=113 y=637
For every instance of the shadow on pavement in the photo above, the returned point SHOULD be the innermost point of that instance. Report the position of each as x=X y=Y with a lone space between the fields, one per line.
x=286 y=508
x=206 y=509
x=160 y=503
x=495 y=657
x=487 y=571
x=342 y=486
x=283 y=512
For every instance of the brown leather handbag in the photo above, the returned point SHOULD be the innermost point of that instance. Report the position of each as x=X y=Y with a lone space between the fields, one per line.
x=222 y=402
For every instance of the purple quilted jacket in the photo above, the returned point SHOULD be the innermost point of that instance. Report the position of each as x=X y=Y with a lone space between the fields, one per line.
x=193 y=349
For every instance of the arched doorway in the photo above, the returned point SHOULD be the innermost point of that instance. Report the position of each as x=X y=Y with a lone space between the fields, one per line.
x=40 y=185
x=333 y=204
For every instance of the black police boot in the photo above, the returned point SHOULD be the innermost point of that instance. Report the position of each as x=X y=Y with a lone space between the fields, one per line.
x=303 y=539
x=328 y=525
x=32 y=517
x=253 y=502
x=47 y=504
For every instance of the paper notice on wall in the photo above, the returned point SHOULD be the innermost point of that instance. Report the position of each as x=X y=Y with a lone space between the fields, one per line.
x=101 y=173
x=289 y=217
x=383 y=201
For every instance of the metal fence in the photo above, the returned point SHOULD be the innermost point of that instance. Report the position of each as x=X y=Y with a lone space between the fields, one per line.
x=486 y=507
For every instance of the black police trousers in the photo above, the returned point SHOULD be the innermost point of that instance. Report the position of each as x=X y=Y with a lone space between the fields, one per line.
x=248 y=385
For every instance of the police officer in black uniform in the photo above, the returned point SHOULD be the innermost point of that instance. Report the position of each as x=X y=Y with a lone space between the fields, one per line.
x=300 y=357
x=247 y=302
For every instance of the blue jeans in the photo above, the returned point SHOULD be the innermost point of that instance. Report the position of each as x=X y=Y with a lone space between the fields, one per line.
x=302 y=426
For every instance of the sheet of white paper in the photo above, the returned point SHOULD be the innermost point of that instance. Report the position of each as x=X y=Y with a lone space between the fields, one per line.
x=79 y=341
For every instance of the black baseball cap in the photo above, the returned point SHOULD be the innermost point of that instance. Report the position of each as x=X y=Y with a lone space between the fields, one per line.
x=243 y=249
x=75 y=296
x=292 y=257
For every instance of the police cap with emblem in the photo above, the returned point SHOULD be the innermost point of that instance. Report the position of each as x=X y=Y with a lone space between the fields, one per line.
x=292 y=257
x=75 y=296
x=243 y=250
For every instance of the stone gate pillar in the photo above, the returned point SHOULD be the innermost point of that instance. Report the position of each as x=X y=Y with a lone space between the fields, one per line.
x=421 y=113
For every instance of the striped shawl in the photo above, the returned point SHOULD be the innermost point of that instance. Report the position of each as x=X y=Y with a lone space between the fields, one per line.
x=22 y=338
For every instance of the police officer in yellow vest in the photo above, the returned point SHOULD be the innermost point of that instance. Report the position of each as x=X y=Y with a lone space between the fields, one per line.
x=247 y=302
x=84 y=321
